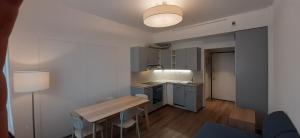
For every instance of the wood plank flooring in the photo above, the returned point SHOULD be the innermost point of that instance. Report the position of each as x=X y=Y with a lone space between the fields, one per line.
x=170 y=122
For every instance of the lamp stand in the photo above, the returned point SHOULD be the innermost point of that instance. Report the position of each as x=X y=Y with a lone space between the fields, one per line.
x=33 y=119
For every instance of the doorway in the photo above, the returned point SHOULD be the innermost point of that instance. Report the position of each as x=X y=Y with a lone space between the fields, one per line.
x=220 y=74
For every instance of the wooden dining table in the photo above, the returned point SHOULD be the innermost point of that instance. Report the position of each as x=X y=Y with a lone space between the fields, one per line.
x=97 y=112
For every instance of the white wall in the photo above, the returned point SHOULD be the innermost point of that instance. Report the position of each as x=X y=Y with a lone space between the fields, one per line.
x=76 y=46
x=87 y=57
x=286 y=59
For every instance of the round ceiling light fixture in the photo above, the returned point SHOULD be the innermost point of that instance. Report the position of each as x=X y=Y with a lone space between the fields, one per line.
x=163 y=16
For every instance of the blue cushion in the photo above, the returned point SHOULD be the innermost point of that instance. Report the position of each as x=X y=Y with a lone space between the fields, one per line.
x=288 y=135
x=278 y=124
x=211 y=130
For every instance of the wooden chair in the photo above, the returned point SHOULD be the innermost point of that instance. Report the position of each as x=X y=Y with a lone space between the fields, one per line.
x=142 y=96
x=82 y=128
x=127 y=120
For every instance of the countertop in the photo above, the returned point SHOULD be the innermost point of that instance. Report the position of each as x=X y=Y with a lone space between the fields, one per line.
x=148 y=84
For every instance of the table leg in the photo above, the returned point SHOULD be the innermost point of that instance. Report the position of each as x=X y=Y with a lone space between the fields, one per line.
x=106 y=128
x=94 y=130
x=146 y=115
x=121 y=128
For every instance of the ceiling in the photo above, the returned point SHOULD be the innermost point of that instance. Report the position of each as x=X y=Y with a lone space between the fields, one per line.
x=129 y=12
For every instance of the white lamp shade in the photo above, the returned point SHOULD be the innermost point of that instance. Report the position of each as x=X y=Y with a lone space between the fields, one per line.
x=30 y=81
x=163 y=16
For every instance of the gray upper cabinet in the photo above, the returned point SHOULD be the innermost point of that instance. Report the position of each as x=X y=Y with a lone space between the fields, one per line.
x=166 y=58
x=141 y=57
x=178 y=95
x=152 y=56
x=180 y=59
x=193 y=58
x=138 y=60
x=188 y=58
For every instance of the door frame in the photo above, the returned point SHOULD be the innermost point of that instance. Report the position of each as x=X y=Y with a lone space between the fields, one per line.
x=211 y=68
x=207 y=70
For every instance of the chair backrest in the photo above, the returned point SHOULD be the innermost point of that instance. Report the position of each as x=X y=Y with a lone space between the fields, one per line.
x=142 y=96
x=279 y=125
x=77 y=122
x=130 y=113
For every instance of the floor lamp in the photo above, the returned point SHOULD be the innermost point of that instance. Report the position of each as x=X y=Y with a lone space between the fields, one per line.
x=30 y=82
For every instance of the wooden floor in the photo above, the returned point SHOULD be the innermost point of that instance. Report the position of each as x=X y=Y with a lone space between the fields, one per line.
x=170 y=122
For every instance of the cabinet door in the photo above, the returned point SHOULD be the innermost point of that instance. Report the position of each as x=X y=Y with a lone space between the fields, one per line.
x=170 y=93
x=178 y=95
x=192 y=58
x=165 y=59
x=180 y=59
x=143 y=61
x=134 y=59
x=138 y=59
x=152 y=56
x=199 y=98
x=191 y=98
x=141 y=57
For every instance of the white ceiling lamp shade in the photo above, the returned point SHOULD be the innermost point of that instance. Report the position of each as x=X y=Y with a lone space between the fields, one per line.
x=163 y=16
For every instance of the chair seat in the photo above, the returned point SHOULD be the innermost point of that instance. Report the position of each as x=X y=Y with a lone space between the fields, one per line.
x=126 y=124
x=89 y=130
x=141 y=109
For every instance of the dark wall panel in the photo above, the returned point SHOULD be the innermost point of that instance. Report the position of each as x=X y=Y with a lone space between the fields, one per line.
x=252 y=71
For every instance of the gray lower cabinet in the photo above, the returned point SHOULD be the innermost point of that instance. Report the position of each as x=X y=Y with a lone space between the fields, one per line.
x=191 y=98
x=188 y=96
x=178 y=95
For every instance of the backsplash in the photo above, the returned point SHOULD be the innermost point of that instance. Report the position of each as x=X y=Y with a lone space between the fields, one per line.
x=169 y=75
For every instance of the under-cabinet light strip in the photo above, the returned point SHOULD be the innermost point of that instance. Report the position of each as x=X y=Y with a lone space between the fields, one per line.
x=179 y=71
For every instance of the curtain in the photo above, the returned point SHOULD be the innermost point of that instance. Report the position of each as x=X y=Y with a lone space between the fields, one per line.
x=6 y=71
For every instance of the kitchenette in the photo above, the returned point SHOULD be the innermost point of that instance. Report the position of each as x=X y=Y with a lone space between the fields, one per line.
x=168 y=77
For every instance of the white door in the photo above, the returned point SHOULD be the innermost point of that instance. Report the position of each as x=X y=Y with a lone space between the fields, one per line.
x=223 y=76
